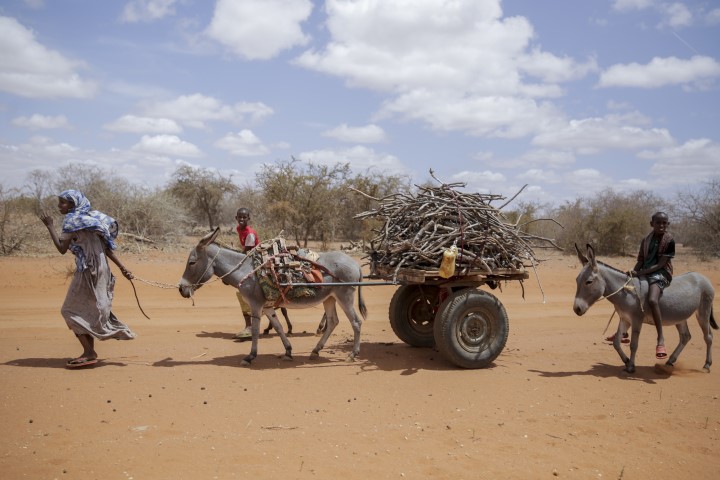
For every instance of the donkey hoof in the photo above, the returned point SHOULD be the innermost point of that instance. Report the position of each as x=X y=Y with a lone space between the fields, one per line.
x=314 y=355
x=287 y=358
x=350 y=358
x=629 y=369
x=246 y=361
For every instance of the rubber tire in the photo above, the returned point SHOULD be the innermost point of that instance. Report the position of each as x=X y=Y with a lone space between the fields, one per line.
x=412 y=313
x=471 y=328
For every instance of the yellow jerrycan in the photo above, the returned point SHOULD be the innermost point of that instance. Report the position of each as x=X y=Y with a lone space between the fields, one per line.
x=447 y=266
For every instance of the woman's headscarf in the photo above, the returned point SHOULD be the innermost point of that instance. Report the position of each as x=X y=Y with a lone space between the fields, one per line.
x=81 y=217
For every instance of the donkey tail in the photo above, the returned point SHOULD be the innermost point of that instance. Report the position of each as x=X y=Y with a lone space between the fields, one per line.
x=363 y=308
x=713 y=323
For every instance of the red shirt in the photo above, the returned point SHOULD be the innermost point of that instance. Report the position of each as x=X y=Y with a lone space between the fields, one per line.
x=248 y=237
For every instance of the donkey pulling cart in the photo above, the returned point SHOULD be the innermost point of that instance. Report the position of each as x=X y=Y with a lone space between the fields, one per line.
x=438 y=247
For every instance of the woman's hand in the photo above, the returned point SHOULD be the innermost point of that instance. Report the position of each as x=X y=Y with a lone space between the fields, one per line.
x=47 y=220
x=126 y=273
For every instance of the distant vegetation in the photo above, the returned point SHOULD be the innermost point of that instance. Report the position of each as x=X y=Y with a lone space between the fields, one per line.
x=309 y=202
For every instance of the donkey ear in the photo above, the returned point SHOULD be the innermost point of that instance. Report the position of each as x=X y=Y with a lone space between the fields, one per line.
x=591 y=256
x=209 y=238
x=583 y=259
x=215 y=234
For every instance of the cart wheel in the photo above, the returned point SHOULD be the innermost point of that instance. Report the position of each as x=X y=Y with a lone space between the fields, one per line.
x=412 y=312
x=471 y=328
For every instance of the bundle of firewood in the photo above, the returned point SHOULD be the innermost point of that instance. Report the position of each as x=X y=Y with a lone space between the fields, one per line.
x=419 y=227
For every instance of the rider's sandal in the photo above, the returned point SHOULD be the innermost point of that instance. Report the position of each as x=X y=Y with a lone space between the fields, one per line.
x=660 y=352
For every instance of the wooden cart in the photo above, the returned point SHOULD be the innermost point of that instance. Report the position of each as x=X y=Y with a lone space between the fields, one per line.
x=468 y=326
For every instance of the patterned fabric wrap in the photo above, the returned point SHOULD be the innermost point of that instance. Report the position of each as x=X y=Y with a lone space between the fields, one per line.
x=82 y=217
x=270 y=287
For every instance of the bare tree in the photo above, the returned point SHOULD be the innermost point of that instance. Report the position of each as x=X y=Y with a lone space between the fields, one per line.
x=363 y=189
x=13 y=231
x=699 y=212
x=203 y=191
x=614 y=223
x=303 y=198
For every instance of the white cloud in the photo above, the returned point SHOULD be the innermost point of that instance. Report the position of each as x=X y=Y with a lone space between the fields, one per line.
x=166 y=145
x=402 y=45
x=713 y=17
x=147 y=10
x=244 y=144
x=135 y=124
x=259 y=29
x=44 y=153
x=29 y=69
x=592 y=135
x=536 y=175
x=632 y=185
x=677 y=15
x=553 y=69
x=661 y=72
x=37 y=121
x=48 y=146
x=365 y=134
x=673 y=14
x=134 y=90
x=547 y=158
x=454 y=65
x=625 y=5
x=196 y=110
x=506 y=117
x=586 y=181
x=360 y=158
x=693 y=162
x=35 y=4
x=486 y=182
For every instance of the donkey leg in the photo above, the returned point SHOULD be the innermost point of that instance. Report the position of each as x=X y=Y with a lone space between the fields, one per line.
x=634 y=342
x=268 y=328
x=322 y=326
x=346 y=303
x=284 y=312
x=255 y=334
x=275 y=322
x=684 y=333
x=332 y=322
x=623 y=326
x=704 y=317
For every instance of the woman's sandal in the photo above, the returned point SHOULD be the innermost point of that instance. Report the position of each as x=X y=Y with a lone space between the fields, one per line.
x=81 y=362
x=660 y=352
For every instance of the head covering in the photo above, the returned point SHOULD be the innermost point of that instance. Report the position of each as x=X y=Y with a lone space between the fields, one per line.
x=82 y=217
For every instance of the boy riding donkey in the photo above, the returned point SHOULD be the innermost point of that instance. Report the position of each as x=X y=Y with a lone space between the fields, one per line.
x=654 y=263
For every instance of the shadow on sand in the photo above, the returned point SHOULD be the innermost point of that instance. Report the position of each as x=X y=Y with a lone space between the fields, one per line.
x=60 y=363
x=647 y=374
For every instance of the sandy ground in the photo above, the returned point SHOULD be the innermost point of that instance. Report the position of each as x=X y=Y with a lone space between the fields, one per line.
x=175 y=402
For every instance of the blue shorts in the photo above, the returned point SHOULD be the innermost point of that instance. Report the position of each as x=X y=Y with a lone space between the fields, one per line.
x=658 y=278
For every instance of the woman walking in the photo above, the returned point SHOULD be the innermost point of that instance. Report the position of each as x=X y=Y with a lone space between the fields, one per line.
x=90 y=236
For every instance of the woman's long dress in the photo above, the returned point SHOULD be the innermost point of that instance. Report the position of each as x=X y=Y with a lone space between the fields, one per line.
x=89 y=299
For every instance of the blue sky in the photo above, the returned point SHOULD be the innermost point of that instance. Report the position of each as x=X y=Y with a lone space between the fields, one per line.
x=569 y=97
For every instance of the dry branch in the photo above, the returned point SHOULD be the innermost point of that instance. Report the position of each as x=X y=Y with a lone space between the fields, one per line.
x=418 y=228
